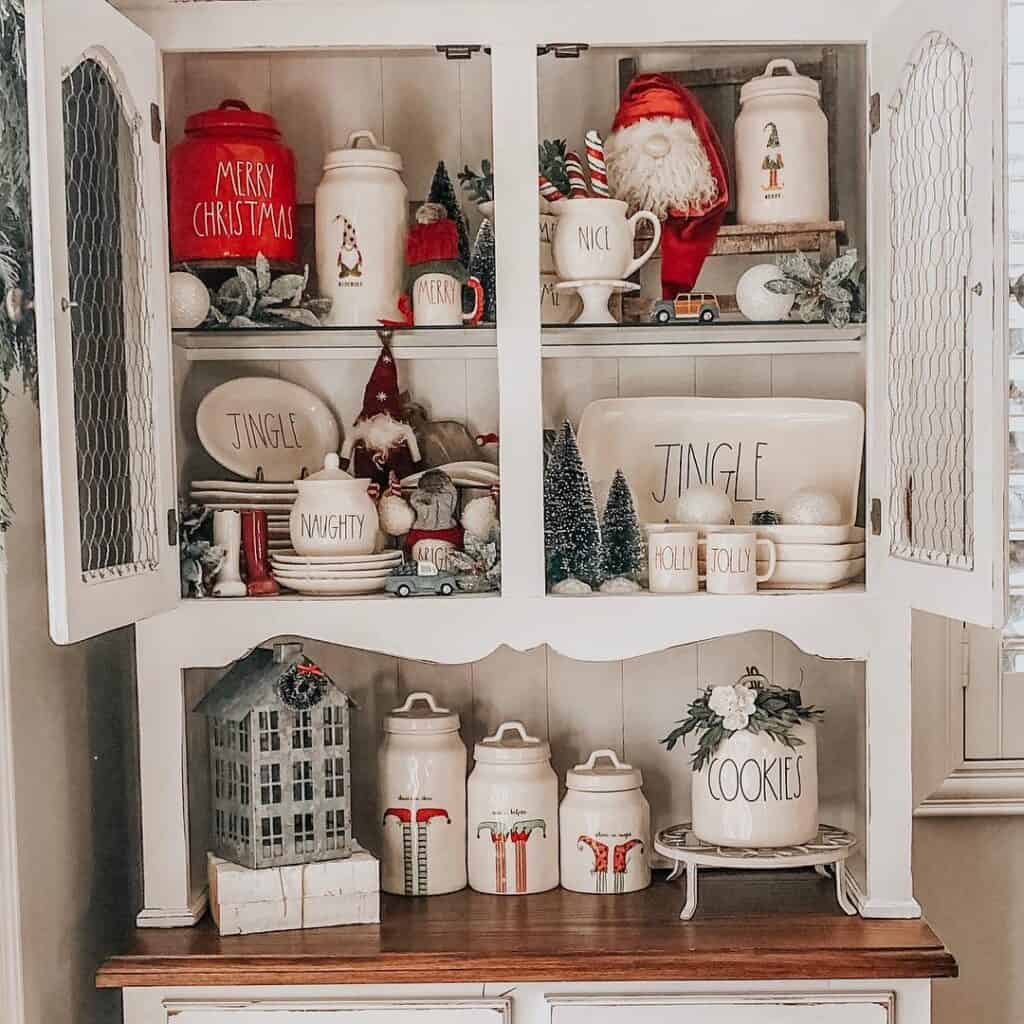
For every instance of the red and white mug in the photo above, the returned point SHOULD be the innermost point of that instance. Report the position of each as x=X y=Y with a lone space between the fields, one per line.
x=437 y=301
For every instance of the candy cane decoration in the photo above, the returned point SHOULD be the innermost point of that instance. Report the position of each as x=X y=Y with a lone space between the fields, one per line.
x=595 y=160
x=547 y=190
x=577 y=182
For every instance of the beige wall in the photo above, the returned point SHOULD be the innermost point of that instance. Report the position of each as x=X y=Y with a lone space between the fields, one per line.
x=75 y=773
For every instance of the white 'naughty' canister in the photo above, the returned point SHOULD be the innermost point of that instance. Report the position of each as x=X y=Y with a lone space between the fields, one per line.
x=756 y=791
x=605 y=827
x=421 y=794
x=513 y=814
x=781 y=149
x=361 y=206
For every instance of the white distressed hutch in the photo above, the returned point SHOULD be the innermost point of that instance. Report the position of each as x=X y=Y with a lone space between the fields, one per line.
x=326 y=68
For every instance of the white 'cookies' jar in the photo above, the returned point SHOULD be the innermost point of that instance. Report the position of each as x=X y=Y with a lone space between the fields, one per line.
x=781 y=149
x=361 y=219
x=605 y=827
x=513 y=814
x=421 y=799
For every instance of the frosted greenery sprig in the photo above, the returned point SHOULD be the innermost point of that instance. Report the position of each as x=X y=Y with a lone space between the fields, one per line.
x=752 y=704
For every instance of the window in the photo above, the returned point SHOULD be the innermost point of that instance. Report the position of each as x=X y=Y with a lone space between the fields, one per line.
x=302 y=781
x=334 y=829
x=218 y=779
x=218 y=823
x=334 y=727
x=270 y=737
x=272 y=837
x=305 y=838
x=233 y=828
x=270 y=784
x=217 y=732
x=243 y=785
x=334 y=778
x=243 y=736
x=302 y=733
x=244 y=833
x=232 y=781
x=231 y=731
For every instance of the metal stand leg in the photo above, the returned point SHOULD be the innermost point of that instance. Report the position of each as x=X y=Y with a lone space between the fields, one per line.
x=678 y=868
x=822 y=869
x=841 y=895
x=690 y=907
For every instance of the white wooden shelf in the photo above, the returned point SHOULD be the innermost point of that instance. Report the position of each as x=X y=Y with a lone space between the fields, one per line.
x=724 y=338
x=455 y=630
x=336 y=343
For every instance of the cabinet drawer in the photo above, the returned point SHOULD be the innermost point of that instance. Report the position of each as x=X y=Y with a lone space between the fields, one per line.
x=821 y=1008
x=312 y=1011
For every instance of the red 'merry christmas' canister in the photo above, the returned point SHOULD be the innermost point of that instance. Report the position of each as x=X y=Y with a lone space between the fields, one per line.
x=232 y=189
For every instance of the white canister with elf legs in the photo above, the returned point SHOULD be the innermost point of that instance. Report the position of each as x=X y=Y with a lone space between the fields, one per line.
x=757 y=786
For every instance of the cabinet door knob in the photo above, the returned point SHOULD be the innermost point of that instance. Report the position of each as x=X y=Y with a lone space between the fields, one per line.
x=16 y=305
x=66 y=304
x=1017 y=290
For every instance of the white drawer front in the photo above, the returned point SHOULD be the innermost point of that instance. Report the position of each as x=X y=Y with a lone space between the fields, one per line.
x=868 y=1008
x=449 y=1011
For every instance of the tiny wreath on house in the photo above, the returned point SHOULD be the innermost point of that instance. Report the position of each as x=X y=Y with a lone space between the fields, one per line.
x=303 y=686
x=752 y=704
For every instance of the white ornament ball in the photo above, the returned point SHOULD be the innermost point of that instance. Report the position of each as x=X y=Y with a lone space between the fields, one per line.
x=480 y=517
x=758 y=303
x=190 y=301
x=812 y=507
x=704 y=504
x=396 y=515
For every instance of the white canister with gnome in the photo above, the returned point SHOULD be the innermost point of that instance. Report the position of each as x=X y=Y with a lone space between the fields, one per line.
x=755 y=769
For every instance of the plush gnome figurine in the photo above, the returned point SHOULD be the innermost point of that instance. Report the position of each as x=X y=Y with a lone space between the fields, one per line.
x=381 y=442
x=663 y=155
x=432 y=248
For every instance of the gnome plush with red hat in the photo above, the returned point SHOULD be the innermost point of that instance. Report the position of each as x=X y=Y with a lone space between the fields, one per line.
x=664 y=155
x=381 y=442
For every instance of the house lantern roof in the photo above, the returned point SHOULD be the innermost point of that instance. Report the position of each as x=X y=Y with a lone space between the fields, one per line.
x=255 y=681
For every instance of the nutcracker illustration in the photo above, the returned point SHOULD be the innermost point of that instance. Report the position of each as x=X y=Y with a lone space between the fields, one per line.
x=350 y=258
x=773 y=162
x=424 y=816
x=600 y=852
x=520 y=836
x=498 y=838
x=619 y=861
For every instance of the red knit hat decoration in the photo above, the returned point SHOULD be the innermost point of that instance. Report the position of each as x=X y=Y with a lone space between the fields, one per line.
x=381 y=394
x=691 y=220
x=432 y=245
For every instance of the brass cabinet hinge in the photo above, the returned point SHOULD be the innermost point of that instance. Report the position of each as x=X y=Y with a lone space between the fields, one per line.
x=172 y=527
x=570 y=50
x=965 y=656
x=460 y=51
x=875 y=112
x=156 y=125
x=876 y=517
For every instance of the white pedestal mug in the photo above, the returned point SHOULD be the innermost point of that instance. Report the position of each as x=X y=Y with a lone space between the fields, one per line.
x=672 y=559
x=731 y=562
x=594 y=239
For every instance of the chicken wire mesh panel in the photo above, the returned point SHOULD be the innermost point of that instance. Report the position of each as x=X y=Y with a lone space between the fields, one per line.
x=930 y=365
x=110 y=329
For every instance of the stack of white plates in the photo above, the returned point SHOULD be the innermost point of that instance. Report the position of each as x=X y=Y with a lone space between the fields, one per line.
x=333 y=575
x=808 y=557
x=239 y=496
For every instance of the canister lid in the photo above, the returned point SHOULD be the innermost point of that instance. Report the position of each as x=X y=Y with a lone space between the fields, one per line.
x=792 y=83
x=505 y=748
x=373 y=155
x=331 y=472
x=235 y=114
x=609 y=776
x=421 y=714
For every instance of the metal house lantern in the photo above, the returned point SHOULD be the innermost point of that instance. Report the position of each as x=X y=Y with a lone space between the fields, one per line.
x=279 y=761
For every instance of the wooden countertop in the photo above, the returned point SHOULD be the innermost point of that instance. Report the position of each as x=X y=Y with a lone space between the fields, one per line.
x=750 y=926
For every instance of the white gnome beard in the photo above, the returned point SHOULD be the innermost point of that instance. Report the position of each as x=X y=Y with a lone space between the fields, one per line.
x=382 y=433
x=681 y=180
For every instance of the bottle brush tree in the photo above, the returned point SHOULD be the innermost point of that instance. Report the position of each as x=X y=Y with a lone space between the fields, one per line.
x=621 y=541
x=572 y=536
x=443 y=191
x=482 y=267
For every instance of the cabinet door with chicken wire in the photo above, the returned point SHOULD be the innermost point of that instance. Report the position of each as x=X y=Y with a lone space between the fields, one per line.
x=101 y=307
x=937 y=452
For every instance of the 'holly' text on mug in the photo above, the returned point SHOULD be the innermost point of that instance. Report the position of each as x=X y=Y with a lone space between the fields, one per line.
x=676 y=557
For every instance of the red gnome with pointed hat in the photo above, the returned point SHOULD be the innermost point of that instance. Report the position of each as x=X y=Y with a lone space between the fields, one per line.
x=381 y=442
x=663 y=155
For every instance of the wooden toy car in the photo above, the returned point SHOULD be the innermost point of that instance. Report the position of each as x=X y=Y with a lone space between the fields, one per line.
x=701 y=306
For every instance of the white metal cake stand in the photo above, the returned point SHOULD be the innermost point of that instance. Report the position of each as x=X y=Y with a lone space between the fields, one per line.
x=596 y=295
x=830 y=847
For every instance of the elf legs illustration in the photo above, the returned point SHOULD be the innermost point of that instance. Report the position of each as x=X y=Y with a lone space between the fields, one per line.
x=498 y=838
x=520 y=836
x=404 y=816
x=600 y=869
x=424 y=816
x=621 y=856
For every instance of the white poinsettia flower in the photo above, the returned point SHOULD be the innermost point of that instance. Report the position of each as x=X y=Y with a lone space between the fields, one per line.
x=724 y=700
x=736 y=720
x=745 y=699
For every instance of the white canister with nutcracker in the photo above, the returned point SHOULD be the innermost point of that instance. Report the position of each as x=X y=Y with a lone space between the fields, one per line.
x=421 y=798
x=605 y=826
x=781 y=149
x=361 y=217
x=513 y=814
